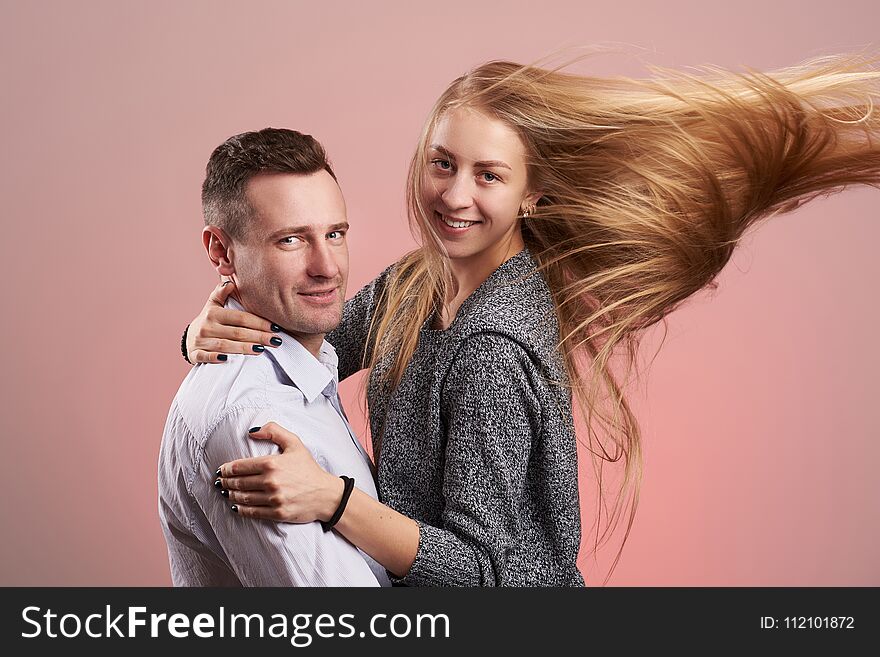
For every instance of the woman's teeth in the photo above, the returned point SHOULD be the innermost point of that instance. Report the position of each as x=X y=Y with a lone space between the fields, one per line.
x=457 y=224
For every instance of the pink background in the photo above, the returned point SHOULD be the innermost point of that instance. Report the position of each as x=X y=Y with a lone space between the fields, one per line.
x=760 y=413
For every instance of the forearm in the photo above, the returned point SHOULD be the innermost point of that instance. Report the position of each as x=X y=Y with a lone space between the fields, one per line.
x=389 y=537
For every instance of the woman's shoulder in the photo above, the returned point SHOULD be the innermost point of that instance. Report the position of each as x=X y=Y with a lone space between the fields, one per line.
x=514 y=304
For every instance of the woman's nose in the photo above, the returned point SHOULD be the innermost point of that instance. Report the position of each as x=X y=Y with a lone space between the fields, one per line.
x=459 y=192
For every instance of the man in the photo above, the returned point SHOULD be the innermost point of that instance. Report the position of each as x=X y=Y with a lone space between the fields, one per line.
x=276 y=228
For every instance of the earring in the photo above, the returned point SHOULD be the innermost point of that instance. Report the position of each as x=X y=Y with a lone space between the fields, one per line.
x=529 y=210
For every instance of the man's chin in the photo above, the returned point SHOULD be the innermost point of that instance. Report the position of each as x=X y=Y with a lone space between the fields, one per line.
x=304 y=324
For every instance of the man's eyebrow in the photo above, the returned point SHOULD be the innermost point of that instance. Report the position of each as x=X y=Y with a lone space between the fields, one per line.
x=308 y=228
x=290 y=230
x=484 y=164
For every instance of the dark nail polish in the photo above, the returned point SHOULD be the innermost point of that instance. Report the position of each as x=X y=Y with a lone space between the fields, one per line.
x=217 y=484
x=259 y=348
x=234 y=508
x=275 y=328
x=222 y=356
x=217 y=474
x=254 y=429
x=224 y=493
x=276 y=341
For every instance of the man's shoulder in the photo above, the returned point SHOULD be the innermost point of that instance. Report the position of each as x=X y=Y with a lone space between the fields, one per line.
x=212 y=392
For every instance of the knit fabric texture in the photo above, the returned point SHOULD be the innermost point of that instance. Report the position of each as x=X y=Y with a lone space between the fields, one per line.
x=477 y=442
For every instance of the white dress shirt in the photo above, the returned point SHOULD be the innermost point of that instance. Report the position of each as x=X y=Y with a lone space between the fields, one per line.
x=209 y=544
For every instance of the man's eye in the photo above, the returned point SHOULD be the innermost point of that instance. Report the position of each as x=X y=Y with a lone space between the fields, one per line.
x=336 y=235
x=289 y=240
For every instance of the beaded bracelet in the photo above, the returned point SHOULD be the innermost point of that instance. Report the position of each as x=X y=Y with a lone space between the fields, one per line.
x=346 y=493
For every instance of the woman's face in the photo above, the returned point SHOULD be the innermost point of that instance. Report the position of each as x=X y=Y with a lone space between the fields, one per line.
x=475 y=185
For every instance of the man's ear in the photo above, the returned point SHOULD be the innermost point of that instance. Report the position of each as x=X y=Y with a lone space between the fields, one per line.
x=219 y=248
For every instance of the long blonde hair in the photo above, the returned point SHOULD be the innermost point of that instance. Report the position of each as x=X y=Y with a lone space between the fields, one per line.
x=647 y=186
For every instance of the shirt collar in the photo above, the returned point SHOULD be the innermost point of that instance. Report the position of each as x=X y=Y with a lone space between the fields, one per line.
x=309 y=374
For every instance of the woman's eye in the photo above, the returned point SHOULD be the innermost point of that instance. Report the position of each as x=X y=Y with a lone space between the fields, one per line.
x=444 y=165
x=489 y=176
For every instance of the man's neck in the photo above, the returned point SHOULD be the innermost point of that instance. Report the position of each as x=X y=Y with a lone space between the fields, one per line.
x=311 y=341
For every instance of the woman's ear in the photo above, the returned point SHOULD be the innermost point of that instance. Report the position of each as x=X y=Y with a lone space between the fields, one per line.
x=219 y=248
x=529 y=203
x=532 y=198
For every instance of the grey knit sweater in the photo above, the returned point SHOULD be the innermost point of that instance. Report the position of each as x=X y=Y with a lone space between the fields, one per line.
x=477 y=441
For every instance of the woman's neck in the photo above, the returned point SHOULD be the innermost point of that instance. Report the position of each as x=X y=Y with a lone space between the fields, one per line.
x=469 y=273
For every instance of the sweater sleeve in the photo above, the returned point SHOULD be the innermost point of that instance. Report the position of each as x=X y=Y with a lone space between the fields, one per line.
x=492 y=420
x=351 y=338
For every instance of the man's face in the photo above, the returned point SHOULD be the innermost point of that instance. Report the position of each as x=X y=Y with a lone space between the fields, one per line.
x=291 y=267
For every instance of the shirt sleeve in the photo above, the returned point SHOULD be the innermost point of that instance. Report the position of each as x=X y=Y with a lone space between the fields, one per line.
x=493 y=418
x=265 y=553
x=352 y=339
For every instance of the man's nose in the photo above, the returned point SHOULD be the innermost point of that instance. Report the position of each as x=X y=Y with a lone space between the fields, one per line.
x=322 y=261
x=459 y=192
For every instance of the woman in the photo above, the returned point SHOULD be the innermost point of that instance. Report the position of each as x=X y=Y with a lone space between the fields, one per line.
x=560 y=216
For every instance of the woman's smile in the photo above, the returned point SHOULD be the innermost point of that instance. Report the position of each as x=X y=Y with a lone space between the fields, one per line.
x=453 y=225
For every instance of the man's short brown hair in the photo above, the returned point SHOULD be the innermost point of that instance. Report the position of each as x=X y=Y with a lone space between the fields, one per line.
x=238 y=159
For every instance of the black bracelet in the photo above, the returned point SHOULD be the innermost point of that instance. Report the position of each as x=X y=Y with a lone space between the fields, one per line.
x=346 y=493
x=183 y=346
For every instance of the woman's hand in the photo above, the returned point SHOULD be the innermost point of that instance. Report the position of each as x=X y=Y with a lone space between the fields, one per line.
x=290 y=486
x=218 y=331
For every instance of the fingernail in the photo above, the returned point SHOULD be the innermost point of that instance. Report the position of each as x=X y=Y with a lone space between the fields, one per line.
x=275 y=328
x=217 y=474
x=222 y=356
x=234 y=508
x=217 y=484
x=259 y=348
x=254 y=429
x=275 y=341
x=224 y=493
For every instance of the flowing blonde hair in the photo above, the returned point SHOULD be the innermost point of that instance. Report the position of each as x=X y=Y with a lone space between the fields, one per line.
x=647 y=186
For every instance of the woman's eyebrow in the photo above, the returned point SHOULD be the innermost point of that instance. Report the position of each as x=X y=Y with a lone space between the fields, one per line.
x=442 y=150
x=484 y=163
